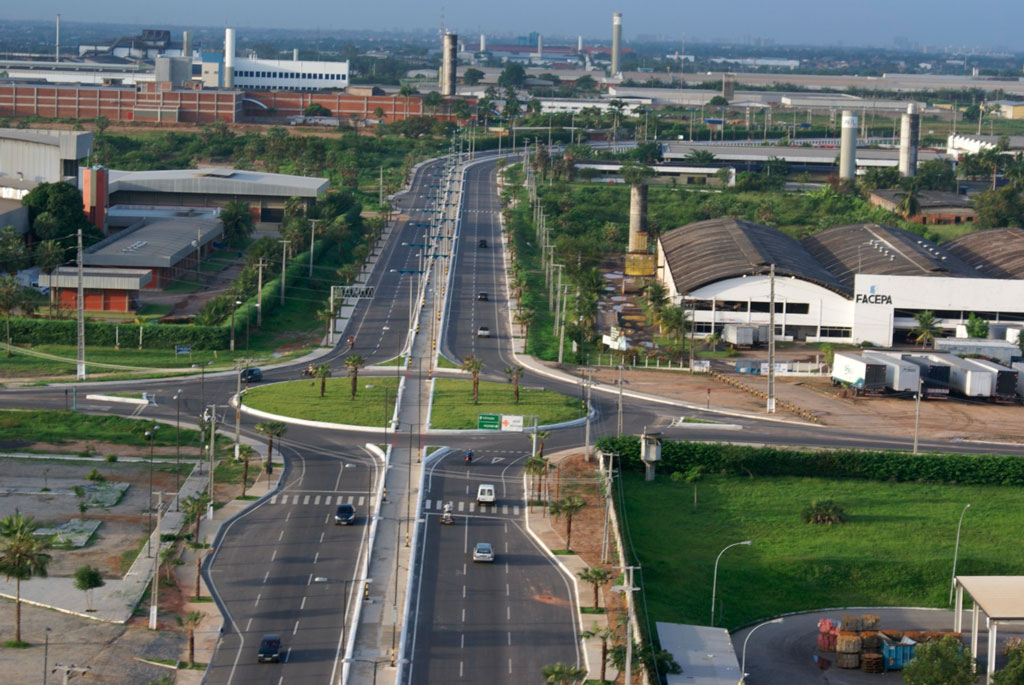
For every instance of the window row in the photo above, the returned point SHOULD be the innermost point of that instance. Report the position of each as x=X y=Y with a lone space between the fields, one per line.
x=285 y=74
x=744 y=306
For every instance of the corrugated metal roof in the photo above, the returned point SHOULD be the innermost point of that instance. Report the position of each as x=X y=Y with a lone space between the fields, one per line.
x=927 y=199
x=996 y=253
x=159 y=244
x=882 y=250
x=717 y=249
x=97 y=278
x=215 y=181
x=72 y=144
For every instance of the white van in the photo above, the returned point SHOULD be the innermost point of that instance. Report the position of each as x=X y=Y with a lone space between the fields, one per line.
x=485 y=494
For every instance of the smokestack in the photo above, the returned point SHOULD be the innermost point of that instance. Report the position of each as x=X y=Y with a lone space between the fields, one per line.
x=295 y=54
x=186 y=45
x=910 y=128
x=449 y=57
x=483 y=43
x=95 y=196
x=579 y=43
x=638 y=218
x=56 y=52
x=540 y=46
x=229 y=58
x=616 y=41
x=728 y=86
x=848 y=147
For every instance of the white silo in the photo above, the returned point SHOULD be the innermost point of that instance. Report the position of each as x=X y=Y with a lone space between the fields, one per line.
x=910 y=128
x=616 y=41
x=229 y=58
x=848 y=147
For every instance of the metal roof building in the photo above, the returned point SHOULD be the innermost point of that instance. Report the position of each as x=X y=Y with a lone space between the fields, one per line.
x=995 y=253
x=705 y=655
x=41 y=156
x=214 y=187
x=105 y=290
x=801 y=158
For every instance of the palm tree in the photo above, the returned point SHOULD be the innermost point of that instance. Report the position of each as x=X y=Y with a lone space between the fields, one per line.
x=244 y=453
x=656 y=297
x=991 y=160
x=524 y=317
x=567 y=506
x=194 y=506
x=474 y=366
x=514 y=373
x=563 y=674
x=673 y=320
x=323 y=372
x=910 y=204
x=237 y=220
x=353 y=363
x=49 y=255
x=927 y=328
x=541 y=437
x=326 y=316
x=22 y=556
x=597 y=577
x=191 y=622
x=535 y=467
x=271 y=429
x=602 y=634
x=10 y=298
x=713 y=339
x=699 y=158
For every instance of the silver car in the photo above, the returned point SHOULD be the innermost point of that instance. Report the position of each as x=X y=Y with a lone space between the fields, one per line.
x=483 y=552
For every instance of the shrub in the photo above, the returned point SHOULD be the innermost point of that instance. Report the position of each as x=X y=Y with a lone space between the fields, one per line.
x=823 y=512
x=95 y=476
x=111 y=458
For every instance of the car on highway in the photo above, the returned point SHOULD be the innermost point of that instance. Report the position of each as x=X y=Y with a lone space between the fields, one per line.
x=483 y=332
x=485 y=494
x=251 y=374
x=482 y=243
x=481 y=297
x=483 y=552
x=270 y=648
x=344 y=515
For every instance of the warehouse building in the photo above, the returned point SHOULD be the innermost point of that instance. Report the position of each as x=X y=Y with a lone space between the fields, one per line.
x=40 y=156
x=935 y=207
x=105 y=290
x=851 y=284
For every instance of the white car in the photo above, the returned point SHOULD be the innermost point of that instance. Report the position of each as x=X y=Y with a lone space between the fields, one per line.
x=483 y=332
x=485 y=494
x=483 y=552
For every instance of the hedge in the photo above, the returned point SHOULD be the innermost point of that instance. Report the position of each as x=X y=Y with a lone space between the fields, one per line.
x=154 y=335
x=741 y=460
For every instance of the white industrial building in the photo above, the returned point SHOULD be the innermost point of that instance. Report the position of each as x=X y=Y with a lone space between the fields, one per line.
x=280 y=74
x=852 y=284
x=42 y=156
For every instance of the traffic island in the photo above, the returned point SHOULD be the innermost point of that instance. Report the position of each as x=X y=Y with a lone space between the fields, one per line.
x=372 y=404
x=453 y=406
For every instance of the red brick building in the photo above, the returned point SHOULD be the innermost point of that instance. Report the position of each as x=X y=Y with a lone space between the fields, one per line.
x=105 y=290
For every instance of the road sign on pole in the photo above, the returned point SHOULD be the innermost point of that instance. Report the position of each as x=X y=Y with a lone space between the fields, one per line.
x=490 y=422
x=512 y=423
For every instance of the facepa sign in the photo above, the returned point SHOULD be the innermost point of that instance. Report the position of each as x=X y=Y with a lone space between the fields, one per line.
x=872 y=297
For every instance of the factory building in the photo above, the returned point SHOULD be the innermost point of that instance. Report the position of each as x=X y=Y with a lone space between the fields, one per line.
x=862 y=283
x=105 y=290
x=936 y=207
x=40 y=156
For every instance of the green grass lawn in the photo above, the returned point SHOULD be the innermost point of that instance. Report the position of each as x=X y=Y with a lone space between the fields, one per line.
x=453 y=406
x=183 y=286
x=24 y=365
x=395 y=361
x=301 y=399
x=895 y=550
x=444 y=363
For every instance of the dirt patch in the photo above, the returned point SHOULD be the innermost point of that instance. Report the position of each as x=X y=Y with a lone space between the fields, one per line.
x=548 y=599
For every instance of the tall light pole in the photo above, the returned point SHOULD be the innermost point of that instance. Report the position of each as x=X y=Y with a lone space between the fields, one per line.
x=917 y=412
x=46 y=655
x=629 y=590
x=177 y=447
x=233 y=307
x=312 y=243
x=150 y=434
x=743 y=661
x=714 y=581
x=956 y=549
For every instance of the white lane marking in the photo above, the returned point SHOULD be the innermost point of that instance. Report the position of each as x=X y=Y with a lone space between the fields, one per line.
x=316 y=557
x=439 y=505
x=463 y=592
x=327 y=519
x=305 y=500
x=507 y=590
x=515 y=510
x=303 y=605
x=265 y=575
x=508 y=613
x=280 y=536
x=510 y=637
x=310 y=581
x=462 y=640
x=288 y=516
x=286 y=655
x=510 y=665
x=316 y=500
x=362 y=500
x=257 y=602
x=462 y=506
x=321 y=536
x=472 y=507
x=460 y=669
x=247 y=624
x=463 y=614
x=504 y=508
x=296 y=628
x=274 y=555
x=426 y=504
x=273 y=500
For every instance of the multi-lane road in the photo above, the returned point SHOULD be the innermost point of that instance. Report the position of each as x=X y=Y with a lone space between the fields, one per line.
x=283 y=566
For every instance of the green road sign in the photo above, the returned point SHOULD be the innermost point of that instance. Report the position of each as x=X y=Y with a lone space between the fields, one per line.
x=491 y=422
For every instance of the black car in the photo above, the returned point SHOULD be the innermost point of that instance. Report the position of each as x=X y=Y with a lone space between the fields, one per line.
x=482 y=243
x=345 y=515
x=482 y=297
x=270 y=648
x=251 y=374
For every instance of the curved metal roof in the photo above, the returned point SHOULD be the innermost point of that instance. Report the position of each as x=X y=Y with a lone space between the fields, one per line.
x=709 y=251
x=995 y=253
x=876 y=249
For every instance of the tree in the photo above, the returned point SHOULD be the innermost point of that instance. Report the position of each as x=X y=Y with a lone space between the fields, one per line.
x=22 y=556
x=10 y=298
x=271 y=429
x=194 y=507
x=699 y=157
x=927 y=328
x=237 y=221
x=474 y=366
x=597 y=577
x=690 y=476
x=512 y=76
x=353 y=363
x=567 y=506
x=432 y=100
x=718 y=101
x=939 y=663
x=63 y=202
x=824 y=511
x=936 y=174
x=191 y=622
x=1013 y=672
x=49 y=254
x=514 y=373
x=1003 y=207
x=408 y=90
x=472 y=76
x=14 y=256
x=563 y=674
x=656 y=297
x=977 y=327
x=674 y=321
x=315 y=109
x=713 y=339
x=323 y=372
x=910 y=204
x=87 y=579
x=602 y=634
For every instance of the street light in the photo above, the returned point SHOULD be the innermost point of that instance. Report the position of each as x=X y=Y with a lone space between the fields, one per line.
x=233 y=307
x=177 y=447
x=46 y=655
x=956 y=549
x=714 y=581
x=743 y=661
x=150 y=434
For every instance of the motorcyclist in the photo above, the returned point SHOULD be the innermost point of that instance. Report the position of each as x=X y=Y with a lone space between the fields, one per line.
x=469 y=456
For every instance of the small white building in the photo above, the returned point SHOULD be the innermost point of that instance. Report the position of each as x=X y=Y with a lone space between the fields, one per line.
x=280 y=74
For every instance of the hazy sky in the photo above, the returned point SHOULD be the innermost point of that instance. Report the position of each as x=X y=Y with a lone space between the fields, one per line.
x=978 y=23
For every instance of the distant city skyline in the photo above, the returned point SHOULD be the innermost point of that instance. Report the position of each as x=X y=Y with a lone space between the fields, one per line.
x=984 y=24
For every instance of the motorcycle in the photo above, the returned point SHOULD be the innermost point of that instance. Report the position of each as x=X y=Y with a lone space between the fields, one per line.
x=447 y=518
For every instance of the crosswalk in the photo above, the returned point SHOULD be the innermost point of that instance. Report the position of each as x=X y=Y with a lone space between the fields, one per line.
x=316 y=500
x=471 y=507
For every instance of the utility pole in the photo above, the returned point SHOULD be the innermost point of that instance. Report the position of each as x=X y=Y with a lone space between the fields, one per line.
x=154 y=605
x=586 y=408
x=693 y=326
x=312 y=244
x=561 y=334
x=81 y=313
x=213 y=439
x=284 y=265
x=238 y=413
x=771 y=340
x=606 y=540
x=917 y=412
x=619 y=430
x=259 y=293
x=380 y=186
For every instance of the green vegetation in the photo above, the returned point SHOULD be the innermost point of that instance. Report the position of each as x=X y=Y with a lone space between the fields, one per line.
x=64 y=426
x=396 y=361
x=894 y=550
x=444 y=363
x=453 y=406
x=301 y=399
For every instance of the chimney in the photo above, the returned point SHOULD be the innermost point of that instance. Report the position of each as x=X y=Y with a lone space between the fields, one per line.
x=638 y=217
x=56 y=52
x=186 y=45
x=616 y=41
x=449 y=58
x=848 y=147
x=579 y=43
x=910 y=128
x=95 y=196
x=229 y=58
x=540 y=47
x=483 y=43
x=295 y=54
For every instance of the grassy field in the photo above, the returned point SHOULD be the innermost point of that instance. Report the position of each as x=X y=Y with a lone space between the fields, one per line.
x=26 y=365
x=895 y=550
x=454 y=409
x=301 y=399
x=65 y=426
